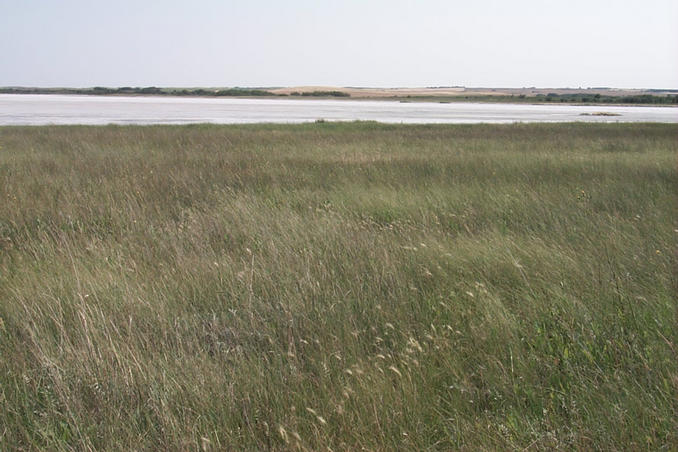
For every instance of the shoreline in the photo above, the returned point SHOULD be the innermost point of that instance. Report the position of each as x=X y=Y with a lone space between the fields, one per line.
x=411 y=100
x=98 y=110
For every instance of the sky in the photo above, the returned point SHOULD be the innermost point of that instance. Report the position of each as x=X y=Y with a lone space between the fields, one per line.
x=375 y=43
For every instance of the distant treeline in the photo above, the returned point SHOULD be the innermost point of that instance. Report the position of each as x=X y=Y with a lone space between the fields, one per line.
x=599 y=98
x=155 y=91
x=150 y=90
x=578 y=98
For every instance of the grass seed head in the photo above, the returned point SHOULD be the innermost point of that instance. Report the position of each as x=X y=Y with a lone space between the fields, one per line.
x=283 y=434
x=396 y=371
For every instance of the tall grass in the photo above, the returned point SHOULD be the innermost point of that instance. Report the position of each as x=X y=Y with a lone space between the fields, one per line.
x=338 y=286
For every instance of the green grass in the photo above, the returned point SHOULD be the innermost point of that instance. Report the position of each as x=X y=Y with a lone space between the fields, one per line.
x=338 y=285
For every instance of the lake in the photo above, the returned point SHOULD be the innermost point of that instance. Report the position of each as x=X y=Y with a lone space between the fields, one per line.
x=41 y=109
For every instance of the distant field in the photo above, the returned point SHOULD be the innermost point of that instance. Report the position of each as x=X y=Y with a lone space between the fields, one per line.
x=339 y=285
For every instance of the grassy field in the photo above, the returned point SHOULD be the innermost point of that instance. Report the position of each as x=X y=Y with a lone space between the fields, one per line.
x=340 y=286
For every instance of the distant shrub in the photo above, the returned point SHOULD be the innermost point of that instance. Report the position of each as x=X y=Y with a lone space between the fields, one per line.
x=323 y=94
x=242 y=92
x=150 y=90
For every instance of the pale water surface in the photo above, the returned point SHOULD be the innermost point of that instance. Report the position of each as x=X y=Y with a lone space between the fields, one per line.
x=62 y=109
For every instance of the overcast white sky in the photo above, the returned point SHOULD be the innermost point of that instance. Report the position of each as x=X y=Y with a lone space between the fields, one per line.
x=544 y=43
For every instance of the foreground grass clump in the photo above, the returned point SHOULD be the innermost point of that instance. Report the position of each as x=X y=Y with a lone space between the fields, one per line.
x=338 y=285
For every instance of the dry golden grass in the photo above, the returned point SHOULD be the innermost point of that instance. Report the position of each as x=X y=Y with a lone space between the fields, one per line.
x=338 y=286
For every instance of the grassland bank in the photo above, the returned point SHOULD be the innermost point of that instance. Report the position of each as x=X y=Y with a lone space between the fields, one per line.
x=342 y=285
x=589 y=96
